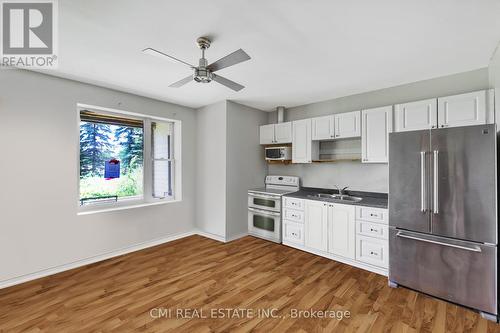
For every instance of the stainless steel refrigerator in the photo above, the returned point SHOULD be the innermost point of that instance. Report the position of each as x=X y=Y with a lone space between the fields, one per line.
x=443 y=214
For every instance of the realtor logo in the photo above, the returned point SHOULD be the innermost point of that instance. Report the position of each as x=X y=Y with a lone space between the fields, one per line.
x=29 y=34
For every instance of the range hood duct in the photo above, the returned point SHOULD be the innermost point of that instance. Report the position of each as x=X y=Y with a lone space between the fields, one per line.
x=281 y=113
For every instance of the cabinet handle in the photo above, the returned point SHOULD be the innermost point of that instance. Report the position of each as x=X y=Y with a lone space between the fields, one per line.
x=371 y=229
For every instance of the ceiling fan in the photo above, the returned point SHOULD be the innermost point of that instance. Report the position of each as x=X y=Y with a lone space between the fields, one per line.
x=204 y=73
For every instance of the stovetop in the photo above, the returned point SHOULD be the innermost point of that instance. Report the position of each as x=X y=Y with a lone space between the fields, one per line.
x=272 y=191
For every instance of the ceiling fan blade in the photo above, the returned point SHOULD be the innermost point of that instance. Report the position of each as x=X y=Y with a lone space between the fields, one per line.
x=228 y=83
x=162 y=55
x=182 y=82
x=231 y=59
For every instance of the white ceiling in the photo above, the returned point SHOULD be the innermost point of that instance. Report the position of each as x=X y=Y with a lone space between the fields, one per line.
x=302 y=51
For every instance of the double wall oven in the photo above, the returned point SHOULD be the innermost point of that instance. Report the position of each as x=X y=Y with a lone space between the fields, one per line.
x=264 y=207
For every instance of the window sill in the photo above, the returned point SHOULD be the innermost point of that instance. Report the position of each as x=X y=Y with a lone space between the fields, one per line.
x=131 y=206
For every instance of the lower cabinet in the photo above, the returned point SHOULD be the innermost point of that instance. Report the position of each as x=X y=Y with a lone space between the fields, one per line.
x=293 y=232
x=355 y=235
x=316 y=225
x=341 y=230
x=372 y=251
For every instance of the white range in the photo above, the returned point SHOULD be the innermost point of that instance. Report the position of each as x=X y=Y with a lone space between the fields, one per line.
x=264 y=206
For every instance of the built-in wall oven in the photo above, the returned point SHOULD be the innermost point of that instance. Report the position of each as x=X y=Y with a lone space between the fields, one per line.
x=264 y=223
x=264 y=207
x=264 y=201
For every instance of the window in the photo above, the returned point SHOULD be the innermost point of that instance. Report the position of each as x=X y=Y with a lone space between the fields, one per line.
x=114 y=166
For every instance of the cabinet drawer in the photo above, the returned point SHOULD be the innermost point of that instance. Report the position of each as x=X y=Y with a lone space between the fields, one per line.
x=370 y=214
x=293 y=215
x=372 y=251
x=293 y=203
x=293 y=232
x=372 y=229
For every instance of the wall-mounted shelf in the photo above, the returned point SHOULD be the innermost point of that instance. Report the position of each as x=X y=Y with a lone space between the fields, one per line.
x=340 y=159
x=280 y=162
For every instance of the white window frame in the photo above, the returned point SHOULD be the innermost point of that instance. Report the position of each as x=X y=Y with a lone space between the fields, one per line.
x=147 y=199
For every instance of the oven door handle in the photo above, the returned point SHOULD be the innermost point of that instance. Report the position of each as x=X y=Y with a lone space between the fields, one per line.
x=263 y=212
x=263 y=196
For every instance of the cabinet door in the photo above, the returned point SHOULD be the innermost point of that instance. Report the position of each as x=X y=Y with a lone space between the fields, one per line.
x=376 y=126
x=415 y=116
x=301 y=143
x=323 y=128
x=463 y=110
x=283 y=132
x=342 y=230
x=316 y=225
x=348 y=125
x=267 y=134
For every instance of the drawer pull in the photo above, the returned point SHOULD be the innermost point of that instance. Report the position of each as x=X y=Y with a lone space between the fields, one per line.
x=373 y=215
x=373 y=253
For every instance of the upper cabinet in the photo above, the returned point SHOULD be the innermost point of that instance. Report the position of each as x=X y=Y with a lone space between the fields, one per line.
x=347 y=125
x=376 y=126
x=323 y=128
x=267 y=134
x=465 y=109
x=304 y=150
x=337 y=126
x=473 y=108
x=276 y=133
x=283 y=132
x=415 y=115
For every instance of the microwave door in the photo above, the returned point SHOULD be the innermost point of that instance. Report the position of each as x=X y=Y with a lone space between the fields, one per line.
x=273 y=153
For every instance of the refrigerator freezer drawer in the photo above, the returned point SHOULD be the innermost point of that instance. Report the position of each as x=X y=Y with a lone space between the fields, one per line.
x=458 y=271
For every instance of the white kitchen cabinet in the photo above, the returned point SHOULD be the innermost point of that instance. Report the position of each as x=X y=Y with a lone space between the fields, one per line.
x=372 y=251
x=465 y=109
x=316 y=225
x=293 y=232
x=376 y=126
x=347 y=125
x=323 y=128
x=283 y=132
x=276 y=133
x=304 y=150
x=415 y=116
x=267 y=134
x=342 y=230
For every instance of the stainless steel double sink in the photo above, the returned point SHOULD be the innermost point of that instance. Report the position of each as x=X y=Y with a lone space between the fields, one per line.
x=336 y=197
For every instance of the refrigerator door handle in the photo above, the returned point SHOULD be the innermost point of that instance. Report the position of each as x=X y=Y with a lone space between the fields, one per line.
x=423 y=188
x=462 y=247
x=436 y=183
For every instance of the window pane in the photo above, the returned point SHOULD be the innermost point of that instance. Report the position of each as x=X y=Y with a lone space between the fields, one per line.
x=162 y=179
x=162 y=134
x=111 y=162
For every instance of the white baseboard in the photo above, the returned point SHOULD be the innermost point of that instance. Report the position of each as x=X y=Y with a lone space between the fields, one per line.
x=108 y=255
x=235 y=237
x=211 y=236
x=91 y=260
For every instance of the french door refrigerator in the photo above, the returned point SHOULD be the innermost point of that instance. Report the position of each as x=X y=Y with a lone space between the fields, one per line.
x=443 y=214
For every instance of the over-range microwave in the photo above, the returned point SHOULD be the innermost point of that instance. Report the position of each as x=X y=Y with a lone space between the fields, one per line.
x=283 y=153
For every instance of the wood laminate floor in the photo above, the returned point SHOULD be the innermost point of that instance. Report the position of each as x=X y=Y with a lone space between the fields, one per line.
x=126 y=293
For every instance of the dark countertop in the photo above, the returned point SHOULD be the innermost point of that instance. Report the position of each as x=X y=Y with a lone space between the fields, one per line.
x=370 y=199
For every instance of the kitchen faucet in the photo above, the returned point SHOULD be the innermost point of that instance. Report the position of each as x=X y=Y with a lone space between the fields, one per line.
x=341 y=190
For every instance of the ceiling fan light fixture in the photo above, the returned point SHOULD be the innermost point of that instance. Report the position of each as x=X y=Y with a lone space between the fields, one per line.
x=202 y=74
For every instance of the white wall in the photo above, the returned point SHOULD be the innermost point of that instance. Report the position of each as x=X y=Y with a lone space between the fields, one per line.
x=370 y=177
x=229 y=162
x=246 y=167
x=494 y=77
x=211 y=169
x=39 y=226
